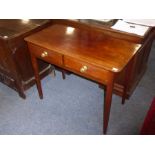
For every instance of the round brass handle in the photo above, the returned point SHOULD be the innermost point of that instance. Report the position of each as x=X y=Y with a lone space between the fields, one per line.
x=83 y=69
x=44 y=54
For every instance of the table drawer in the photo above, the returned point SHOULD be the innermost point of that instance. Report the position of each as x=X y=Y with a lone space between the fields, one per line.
x=86 y=69
x=46 y=55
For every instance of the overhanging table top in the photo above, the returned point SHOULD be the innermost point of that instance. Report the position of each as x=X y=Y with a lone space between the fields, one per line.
x=102 y=50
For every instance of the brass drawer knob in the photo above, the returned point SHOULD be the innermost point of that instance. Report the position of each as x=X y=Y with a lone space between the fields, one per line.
x=44 y=54
x=83 y=69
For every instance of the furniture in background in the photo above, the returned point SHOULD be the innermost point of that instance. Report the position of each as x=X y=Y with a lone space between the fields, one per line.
x=148 y=127
x=140 y=60
x=89 y=54
x=15 y=65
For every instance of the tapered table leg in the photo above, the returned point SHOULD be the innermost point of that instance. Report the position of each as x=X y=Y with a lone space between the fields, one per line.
x=107 y=102
x=37 y=77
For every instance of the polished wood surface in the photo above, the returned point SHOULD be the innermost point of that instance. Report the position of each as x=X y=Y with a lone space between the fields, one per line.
x=16 y=27
x=140 y=60
x=90 y=24
x=15 y=63
x=90 y=54
x=89 y=46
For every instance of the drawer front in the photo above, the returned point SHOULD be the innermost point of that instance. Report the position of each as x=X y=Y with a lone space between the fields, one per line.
x=46 y=55
x=86 y=69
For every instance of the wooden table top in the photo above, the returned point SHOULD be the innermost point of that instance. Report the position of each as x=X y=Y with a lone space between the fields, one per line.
x=10 y=28
x=94 y=47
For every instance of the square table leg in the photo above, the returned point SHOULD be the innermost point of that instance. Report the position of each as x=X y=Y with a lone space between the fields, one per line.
x=37 y=77
x=107 y=102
